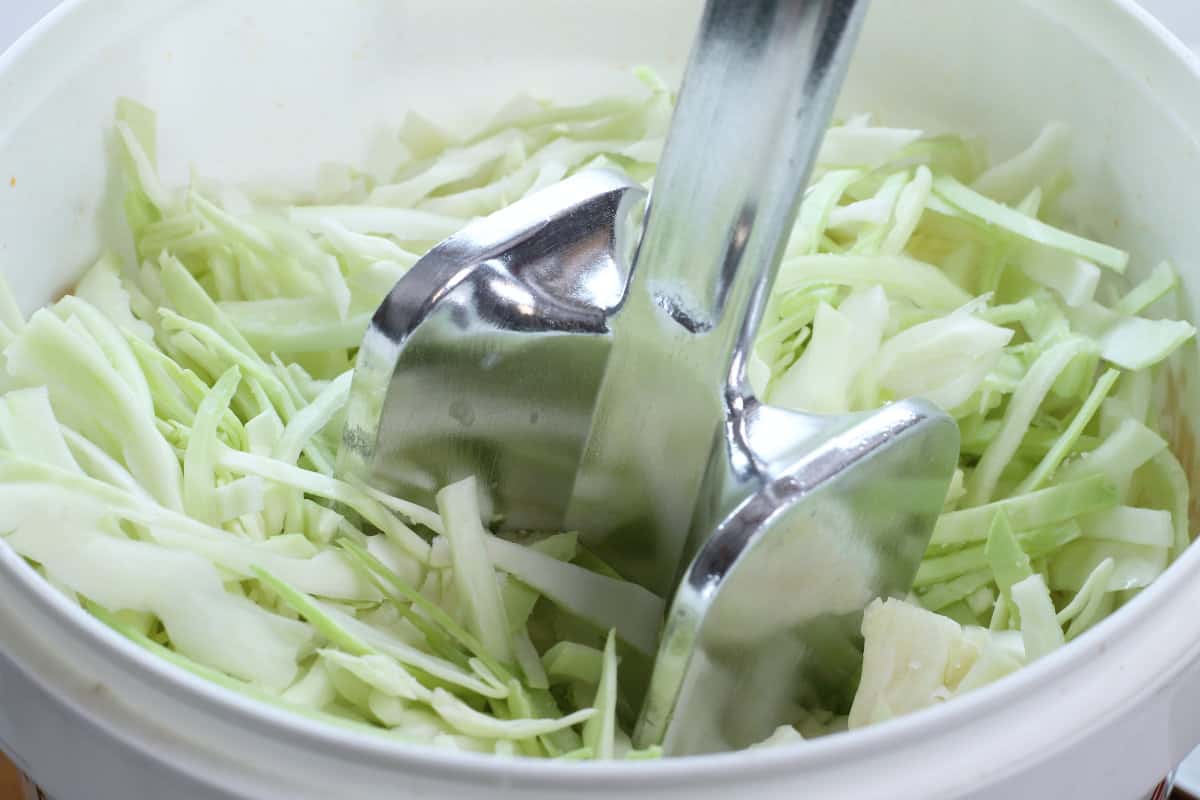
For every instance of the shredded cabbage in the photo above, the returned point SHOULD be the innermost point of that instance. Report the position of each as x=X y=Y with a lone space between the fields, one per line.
x=168 y=431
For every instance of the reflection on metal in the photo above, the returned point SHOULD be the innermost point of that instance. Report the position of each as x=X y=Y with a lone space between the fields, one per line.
x=801 y=524
x=589 y=394
x=486 y=358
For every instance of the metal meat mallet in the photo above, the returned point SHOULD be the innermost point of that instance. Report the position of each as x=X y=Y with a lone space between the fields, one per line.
x=590 y=395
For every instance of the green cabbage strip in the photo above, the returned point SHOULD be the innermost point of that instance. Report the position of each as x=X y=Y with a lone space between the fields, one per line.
x=168 y=432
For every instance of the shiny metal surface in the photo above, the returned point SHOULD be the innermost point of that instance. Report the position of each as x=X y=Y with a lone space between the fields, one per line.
x=486 y=358
x=803 y=531
x=755 y=102
x=592 y=395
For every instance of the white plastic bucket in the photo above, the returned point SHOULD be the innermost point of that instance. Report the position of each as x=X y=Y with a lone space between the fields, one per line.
x=267 y=89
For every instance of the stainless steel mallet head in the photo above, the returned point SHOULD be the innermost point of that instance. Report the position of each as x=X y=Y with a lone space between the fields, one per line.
x=588 y=364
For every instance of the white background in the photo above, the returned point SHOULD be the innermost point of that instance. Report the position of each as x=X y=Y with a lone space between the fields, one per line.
x=1181 y=16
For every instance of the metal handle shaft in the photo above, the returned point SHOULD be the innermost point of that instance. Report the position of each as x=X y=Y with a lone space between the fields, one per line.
x=755 y=102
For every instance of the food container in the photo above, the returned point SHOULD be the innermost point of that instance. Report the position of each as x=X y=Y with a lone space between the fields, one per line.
x=265 y=90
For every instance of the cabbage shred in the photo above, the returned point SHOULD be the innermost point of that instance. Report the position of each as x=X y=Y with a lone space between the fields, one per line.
x=168 y=431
